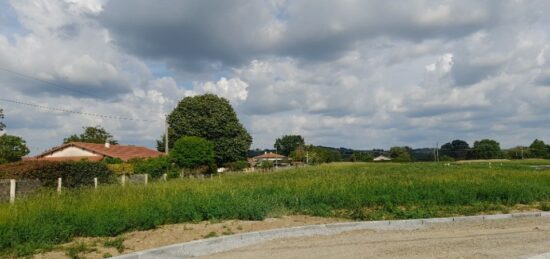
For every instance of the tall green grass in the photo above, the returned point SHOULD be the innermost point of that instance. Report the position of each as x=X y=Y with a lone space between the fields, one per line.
x=358 y=191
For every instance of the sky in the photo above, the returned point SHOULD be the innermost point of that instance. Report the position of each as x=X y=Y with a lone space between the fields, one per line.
x=351 y=73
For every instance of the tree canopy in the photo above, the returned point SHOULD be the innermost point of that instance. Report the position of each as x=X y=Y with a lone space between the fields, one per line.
x=2 y=125
x=401 y=154
x=538 y=149
x=487 y=149
x=12 y=148
x=212 y=118
x=318 y=155
x=457 y=149
x=288 y=143
x=95 y=134
x=192 y=152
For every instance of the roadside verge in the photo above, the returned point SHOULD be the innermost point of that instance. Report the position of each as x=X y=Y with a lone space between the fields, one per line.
x=226 y=243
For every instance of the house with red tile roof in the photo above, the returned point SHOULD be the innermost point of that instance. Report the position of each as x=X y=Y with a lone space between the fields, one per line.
x=270 y=156
x=96 y=152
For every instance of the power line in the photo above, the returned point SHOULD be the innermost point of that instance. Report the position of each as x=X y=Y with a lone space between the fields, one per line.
x=76 y=112
x=48 y=82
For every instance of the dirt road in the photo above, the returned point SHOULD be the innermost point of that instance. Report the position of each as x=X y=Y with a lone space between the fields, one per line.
x=512 y=238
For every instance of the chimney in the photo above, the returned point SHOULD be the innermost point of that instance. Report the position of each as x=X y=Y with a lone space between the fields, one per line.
x=107 y=144
x=265 y=153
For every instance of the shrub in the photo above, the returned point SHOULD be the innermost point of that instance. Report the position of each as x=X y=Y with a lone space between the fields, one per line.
x=111 y=160
x=238 y=165
x=266 y=164
x=74 y=174
x=123 y=168
x=446 y=159
x=155 y=167
x=192 y=152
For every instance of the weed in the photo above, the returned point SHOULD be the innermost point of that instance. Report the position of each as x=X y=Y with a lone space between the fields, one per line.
x=117 y=243
x=107 y=255
x=74 y=251
x=210 y=235
x=545 y=206
x=185 y=227
x=227 y=232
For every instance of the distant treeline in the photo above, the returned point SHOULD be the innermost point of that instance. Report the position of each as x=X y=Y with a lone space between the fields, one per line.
x=453 y=150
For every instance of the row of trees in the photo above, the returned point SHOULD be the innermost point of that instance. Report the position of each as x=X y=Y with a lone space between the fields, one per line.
x=490 y=149
x=295 y=147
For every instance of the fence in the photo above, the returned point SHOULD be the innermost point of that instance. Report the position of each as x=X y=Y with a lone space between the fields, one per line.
x=10 y=189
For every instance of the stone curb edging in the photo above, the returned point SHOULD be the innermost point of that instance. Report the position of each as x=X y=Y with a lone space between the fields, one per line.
x=225 y=243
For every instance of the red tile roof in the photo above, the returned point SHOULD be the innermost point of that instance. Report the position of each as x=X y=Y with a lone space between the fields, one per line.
x=122 y=152
x=74 y=158
x=269 y=155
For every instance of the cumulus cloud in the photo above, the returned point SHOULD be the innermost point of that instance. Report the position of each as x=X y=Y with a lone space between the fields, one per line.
x=361 y=74
x=234 y=89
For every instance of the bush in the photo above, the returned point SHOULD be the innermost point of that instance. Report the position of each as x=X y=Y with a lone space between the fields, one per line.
x=237 y=166
x=155 y=167
x=120 y=169
x=192 y=152
x=74 y=174
x=204 y=169
x=111 y=160
x=266 y=165
x=446 y=159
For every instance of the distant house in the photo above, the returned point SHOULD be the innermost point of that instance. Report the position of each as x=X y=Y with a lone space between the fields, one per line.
x=272 y=157
x=381 y=158
x=76 y=151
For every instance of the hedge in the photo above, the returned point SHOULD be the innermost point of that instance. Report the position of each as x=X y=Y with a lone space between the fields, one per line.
x=74 y=174
x=155 y=167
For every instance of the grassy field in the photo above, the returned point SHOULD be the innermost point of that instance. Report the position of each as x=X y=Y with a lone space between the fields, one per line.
x=360 y=191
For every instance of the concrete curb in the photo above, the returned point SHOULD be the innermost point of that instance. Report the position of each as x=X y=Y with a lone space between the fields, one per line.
x=542 y=256
x=225 y=243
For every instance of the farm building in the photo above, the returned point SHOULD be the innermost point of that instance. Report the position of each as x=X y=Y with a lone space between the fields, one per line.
x=381 y=158
x=96 y=152
x=275 y=158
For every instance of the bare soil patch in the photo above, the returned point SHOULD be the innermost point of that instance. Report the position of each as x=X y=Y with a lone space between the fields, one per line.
x=177 y=233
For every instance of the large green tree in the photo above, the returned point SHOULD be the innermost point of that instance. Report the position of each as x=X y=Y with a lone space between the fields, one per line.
x=288 y=143
x=457 y=149
x=2 y=125
x=401 y=154
x=12 y=148
x=487 y=149
x=95 y=134
x=538 y=149
x=212 y=118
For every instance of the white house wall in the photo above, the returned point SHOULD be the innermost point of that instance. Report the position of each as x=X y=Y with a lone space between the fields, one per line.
x=71 y=152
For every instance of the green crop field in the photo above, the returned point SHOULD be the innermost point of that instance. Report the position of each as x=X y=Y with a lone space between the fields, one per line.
x=362 y=191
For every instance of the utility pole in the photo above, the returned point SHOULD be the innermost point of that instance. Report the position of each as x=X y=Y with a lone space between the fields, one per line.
x=437 y=148
x=521 y=153
x=436 y=152
x=166 y=135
